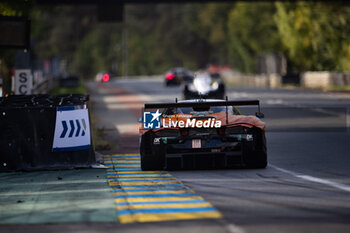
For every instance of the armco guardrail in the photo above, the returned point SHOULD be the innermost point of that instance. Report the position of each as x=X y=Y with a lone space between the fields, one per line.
x=45 y=132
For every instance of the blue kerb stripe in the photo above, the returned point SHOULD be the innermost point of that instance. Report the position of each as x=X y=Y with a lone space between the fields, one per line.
x=167 y=210
x=150 y=190
x=161 y=202
x=140 y=177
x=157 y=180
x=122 y=163
x=145 y=186
x=108 y=164
x=121 y=175
x=141 y=173
x=128 y=169
x=158 y=195
x=134 y=160
x=127 y=159
x=75 y=148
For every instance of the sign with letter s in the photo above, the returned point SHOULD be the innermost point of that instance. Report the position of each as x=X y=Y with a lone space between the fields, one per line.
x=23 y=82
x=72 y=129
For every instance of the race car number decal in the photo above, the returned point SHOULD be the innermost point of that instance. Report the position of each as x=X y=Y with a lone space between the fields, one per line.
x=196 y=143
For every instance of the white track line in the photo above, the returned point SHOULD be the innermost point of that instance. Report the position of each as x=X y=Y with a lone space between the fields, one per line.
x=314 y=179
x=232 y=228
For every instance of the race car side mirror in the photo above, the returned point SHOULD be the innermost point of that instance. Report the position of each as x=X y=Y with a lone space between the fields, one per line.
x=259 y=115
x=140 y=119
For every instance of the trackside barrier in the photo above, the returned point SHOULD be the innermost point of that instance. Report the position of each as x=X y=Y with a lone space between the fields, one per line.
x=45 y=132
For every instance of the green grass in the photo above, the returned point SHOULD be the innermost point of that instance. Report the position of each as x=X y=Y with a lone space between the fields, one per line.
x=98 y=134
x=339 y=88
x=69 y=90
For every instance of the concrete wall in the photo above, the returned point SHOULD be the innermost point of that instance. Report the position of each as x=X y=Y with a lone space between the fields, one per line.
x=320 y=79
x=262 y=81
x=324 y=79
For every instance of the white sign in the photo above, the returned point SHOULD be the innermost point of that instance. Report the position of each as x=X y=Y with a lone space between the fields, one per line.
x=23 y=82
x=72 y=130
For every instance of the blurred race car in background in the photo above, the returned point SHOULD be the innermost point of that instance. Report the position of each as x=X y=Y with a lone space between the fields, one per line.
x=213 y=134
x=177 y=75
x=102 y=77
x=205 y=85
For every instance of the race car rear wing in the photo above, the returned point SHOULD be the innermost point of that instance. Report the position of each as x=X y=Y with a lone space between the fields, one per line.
x=208 y=104
x=203 y=104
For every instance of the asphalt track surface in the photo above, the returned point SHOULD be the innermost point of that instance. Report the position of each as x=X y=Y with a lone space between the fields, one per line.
x=306 y=186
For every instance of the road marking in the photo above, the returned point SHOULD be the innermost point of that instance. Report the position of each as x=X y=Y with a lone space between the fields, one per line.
x=314 y=179
x=148 y=196
x=274 y=101
x=232 y=228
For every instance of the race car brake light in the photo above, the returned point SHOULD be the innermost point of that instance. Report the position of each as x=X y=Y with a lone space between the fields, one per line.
x=221 y=131
x=184 y=132
x=105 y=78
x=170 y=76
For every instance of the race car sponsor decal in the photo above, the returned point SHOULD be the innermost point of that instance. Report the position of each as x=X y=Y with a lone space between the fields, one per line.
x=153 y=120
x=150 y=196
x=193 y=123
x=156 y=141
x=72 y=129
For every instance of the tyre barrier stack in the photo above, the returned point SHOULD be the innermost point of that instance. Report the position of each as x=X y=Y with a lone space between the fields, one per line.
x=28 y=129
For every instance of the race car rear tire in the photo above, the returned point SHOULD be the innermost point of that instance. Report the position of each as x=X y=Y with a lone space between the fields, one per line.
x=150 y=161
x=259 y=163
x=150 y=164
x=256 y=156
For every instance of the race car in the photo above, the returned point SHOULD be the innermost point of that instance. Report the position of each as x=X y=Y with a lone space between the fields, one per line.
x=102 y=77
x=201 y=134
x=205 y=85
x=177 y=76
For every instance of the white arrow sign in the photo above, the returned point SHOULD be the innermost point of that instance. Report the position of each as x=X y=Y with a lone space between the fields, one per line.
x=72 y=129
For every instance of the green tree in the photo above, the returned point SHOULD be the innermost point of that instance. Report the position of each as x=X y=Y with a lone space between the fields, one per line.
x=212 y=26
x=252 y=31
x=315 y=34
x=98 y=50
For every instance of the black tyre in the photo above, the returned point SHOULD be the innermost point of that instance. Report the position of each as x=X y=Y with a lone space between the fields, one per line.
x=150 y=160
x=150 y=164
x=186 y=92
x=221 y=91
x=257 y=164
x=255 y=153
